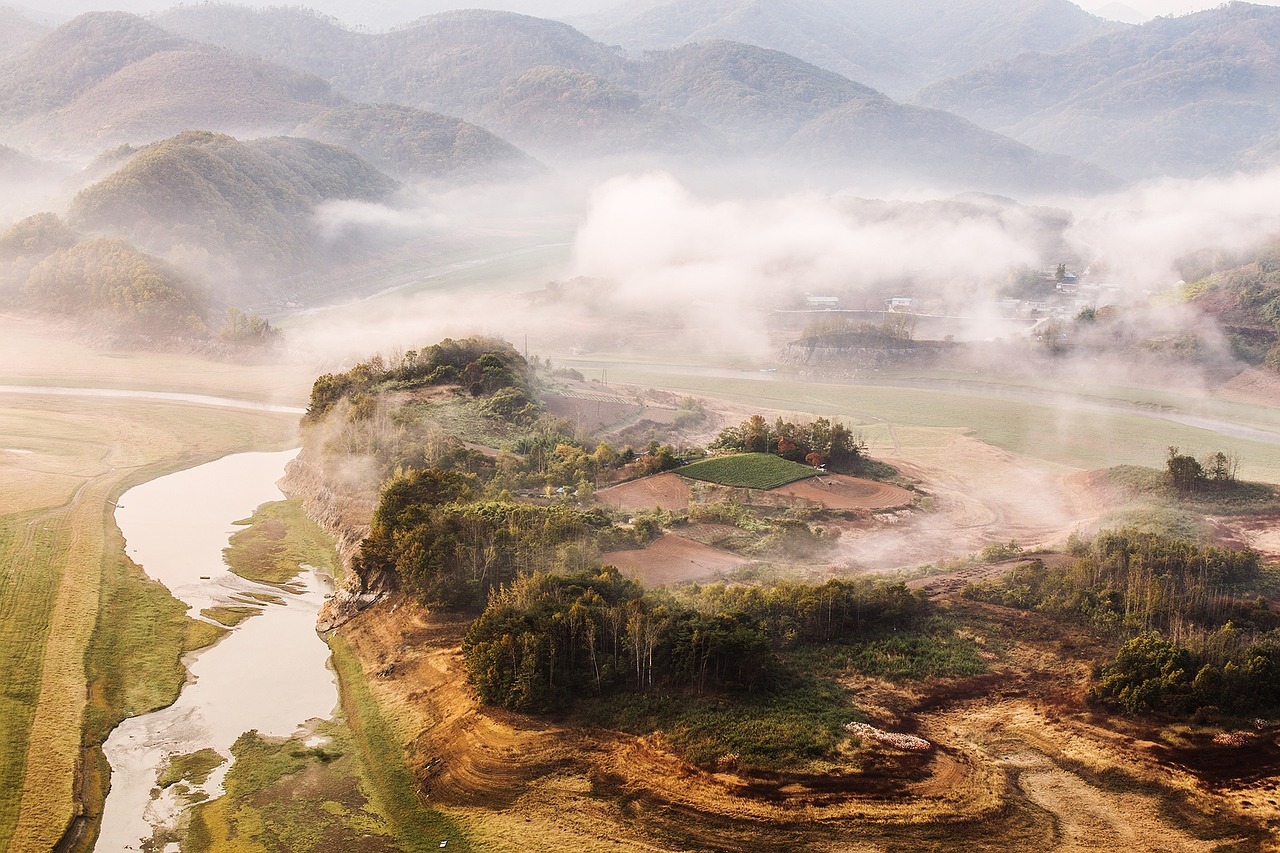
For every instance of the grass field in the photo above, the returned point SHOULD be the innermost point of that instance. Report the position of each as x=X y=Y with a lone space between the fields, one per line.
x=748 y=470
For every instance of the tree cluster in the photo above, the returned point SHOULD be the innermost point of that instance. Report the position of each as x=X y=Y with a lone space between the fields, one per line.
x=1191 y=638
x=1188 y=474
x=544 y=639
x=1127 y=581
x=1229 y=670
x=440 y=542
x=484 y=366
x=822 y=442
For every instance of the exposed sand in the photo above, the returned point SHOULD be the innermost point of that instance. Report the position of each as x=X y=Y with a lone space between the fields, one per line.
x=840 y=491
x=664 y=491
x=674 y=559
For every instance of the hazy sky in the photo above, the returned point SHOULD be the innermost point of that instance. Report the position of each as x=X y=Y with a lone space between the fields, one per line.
x=384 y=13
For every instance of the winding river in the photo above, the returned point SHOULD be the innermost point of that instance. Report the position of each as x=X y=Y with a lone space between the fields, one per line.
x=270 y=673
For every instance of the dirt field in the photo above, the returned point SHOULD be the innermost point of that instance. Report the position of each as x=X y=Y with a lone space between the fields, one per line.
x=1261 y=533
x=976 y=495
x=665 y=491
x=840 y=491
x=674 y=559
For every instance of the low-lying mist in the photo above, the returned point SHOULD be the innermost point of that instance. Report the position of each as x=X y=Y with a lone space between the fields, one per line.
x=655 y=266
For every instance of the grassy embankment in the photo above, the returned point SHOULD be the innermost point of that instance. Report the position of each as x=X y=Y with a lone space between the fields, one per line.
x=353 y=790
x=1154 y=505
x=748 y=470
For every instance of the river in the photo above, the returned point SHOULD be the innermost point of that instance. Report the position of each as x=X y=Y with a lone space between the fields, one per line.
x=270 y=673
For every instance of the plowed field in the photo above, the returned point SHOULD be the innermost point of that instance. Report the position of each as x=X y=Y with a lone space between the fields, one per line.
x=673 y=559
x=840 y=491
x=665 y=491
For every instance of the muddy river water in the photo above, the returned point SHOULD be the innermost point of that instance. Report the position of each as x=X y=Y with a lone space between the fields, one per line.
x=270 y=673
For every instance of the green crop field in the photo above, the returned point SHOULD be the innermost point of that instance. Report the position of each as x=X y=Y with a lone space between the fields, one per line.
x=748 y=470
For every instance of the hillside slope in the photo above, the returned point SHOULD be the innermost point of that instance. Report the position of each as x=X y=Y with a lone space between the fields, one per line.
x=895 y=47
x=1183 y=96
x=210 y=202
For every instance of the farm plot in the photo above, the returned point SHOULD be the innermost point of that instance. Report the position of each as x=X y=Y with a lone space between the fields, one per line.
x=673 y=559
x=840 y=491
x=663 y=491
x=748 y=470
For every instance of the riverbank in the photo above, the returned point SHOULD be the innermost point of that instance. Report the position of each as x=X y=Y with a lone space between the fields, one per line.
x=80 y=620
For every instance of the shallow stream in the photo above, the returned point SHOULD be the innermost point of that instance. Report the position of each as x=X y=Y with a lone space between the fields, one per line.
x=270 y=673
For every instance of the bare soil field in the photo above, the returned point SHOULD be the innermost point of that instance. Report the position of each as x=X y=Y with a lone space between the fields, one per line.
x=841 y=491
x=664 y=491
x=1259 y=532
x=674 y=559
x=976 y=495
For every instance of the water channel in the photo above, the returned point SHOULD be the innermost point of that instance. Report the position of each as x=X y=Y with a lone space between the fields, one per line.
x=270 y=673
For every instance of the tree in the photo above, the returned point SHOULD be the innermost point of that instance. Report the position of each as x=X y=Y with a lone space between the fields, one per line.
x=1061 y=272
x=1185 y=473
x=756 y=435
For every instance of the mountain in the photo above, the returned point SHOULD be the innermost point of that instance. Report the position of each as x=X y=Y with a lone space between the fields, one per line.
x=755 y=96
x=1182 y=96
x=454 y=62
x=895 y=47
x=880 y=139
x=210 y=202
x=558 y=112
x=413 y=143
x=767 y=100
x=110 y=78
x=17 y=31
x=558 y=93
x=108 y=283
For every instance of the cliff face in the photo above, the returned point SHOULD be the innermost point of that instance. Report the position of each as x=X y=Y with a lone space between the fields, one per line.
x=340 y=494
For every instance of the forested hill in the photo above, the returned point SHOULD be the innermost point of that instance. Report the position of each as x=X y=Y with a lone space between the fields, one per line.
x=561 y=95
x=1244 y=298
x=107 y=78
x=1185 y=95
x=243 y=206
x=413 y=143
x=896 y=47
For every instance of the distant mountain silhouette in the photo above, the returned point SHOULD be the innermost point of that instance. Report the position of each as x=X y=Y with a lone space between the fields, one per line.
x=561 y=95
x=895 y=47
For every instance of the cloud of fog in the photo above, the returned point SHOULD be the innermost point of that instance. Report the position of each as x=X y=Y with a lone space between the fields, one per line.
x=698 y=272
x=652 y=237
x=1141 y=233
x=719 y=260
